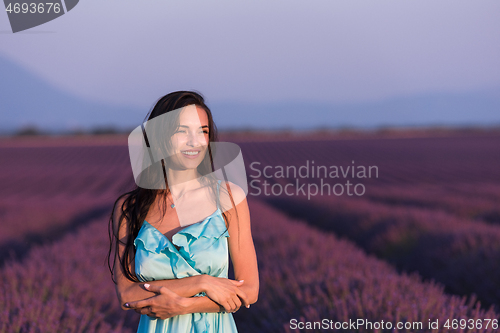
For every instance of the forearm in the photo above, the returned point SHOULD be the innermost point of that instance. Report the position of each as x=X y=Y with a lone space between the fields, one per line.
x=185 y=287
x=201 y=304
x=205 y=304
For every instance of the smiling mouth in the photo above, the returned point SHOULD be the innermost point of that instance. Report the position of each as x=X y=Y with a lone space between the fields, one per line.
x=191 y=152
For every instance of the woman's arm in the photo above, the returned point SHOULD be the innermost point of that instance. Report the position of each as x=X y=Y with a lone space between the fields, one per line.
x=184 y=287
x=241 y=246
x=167 y=304
x=242 y=252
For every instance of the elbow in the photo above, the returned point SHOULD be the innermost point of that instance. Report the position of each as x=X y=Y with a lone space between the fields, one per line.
x=123 y=299
x=255 y=299
x=122 y=303
x=123 y=307
x=254 y=296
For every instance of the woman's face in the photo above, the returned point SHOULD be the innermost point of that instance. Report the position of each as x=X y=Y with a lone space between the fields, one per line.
x=190 y=141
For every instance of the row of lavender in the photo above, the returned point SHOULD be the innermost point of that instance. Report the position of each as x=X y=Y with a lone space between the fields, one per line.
x=443 y=161
x=471 y=201
x=49 y=191
x=460 y=254
x=306 y=276
x=434 y=207
x=71 y=173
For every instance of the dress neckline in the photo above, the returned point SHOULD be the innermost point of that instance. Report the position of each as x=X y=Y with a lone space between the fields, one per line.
x=192 y=224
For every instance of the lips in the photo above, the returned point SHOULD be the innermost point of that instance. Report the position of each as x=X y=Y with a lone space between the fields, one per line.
x=191 y=153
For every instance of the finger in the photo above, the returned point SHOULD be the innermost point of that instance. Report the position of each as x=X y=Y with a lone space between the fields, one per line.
x=243 y=296
x=148 y=311
x=160 y=289
x=139 y=304
x=237 y=303
x=237 y=283
x=234 y=304
x=152 y=287
x=167 y=292
x=145 y=311
x=227 y=306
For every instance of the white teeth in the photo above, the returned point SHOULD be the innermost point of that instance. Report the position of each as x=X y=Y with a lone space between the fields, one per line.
x=191 y=153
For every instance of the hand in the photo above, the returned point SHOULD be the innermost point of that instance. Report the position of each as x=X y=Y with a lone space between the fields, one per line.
x=164 y=305
x=225 y=292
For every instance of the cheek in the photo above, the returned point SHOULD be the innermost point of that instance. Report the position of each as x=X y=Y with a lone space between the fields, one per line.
x=176 y=143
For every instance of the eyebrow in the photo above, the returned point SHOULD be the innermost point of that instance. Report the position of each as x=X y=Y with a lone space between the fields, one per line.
x=198 y=127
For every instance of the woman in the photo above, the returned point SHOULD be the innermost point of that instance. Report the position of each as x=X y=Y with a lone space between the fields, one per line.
x=178 y=248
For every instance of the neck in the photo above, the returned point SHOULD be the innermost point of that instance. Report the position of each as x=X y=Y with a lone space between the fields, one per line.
x=182 y=181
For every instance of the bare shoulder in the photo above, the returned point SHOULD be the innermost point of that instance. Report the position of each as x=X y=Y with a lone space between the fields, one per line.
x=241 y=214
x=237 y=193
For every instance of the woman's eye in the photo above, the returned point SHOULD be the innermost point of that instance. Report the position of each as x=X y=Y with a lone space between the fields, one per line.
x=183 y=131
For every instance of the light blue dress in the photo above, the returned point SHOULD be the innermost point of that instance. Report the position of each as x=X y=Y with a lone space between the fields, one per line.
x=203 y=249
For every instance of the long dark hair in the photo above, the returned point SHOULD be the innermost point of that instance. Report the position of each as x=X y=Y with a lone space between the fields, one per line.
x=136 y=203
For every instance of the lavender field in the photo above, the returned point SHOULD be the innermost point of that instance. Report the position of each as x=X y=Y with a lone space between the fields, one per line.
x=421 y=243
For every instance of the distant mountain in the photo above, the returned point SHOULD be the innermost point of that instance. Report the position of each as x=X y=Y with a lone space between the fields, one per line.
x=438 y=109
x=26 y=99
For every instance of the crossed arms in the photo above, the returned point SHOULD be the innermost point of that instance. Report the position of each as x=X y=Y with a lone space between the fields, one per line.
x=167 y=298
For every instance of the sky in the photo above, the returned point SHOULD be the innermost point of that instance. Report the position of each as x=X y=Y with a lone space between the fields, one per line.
x=130 y=53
